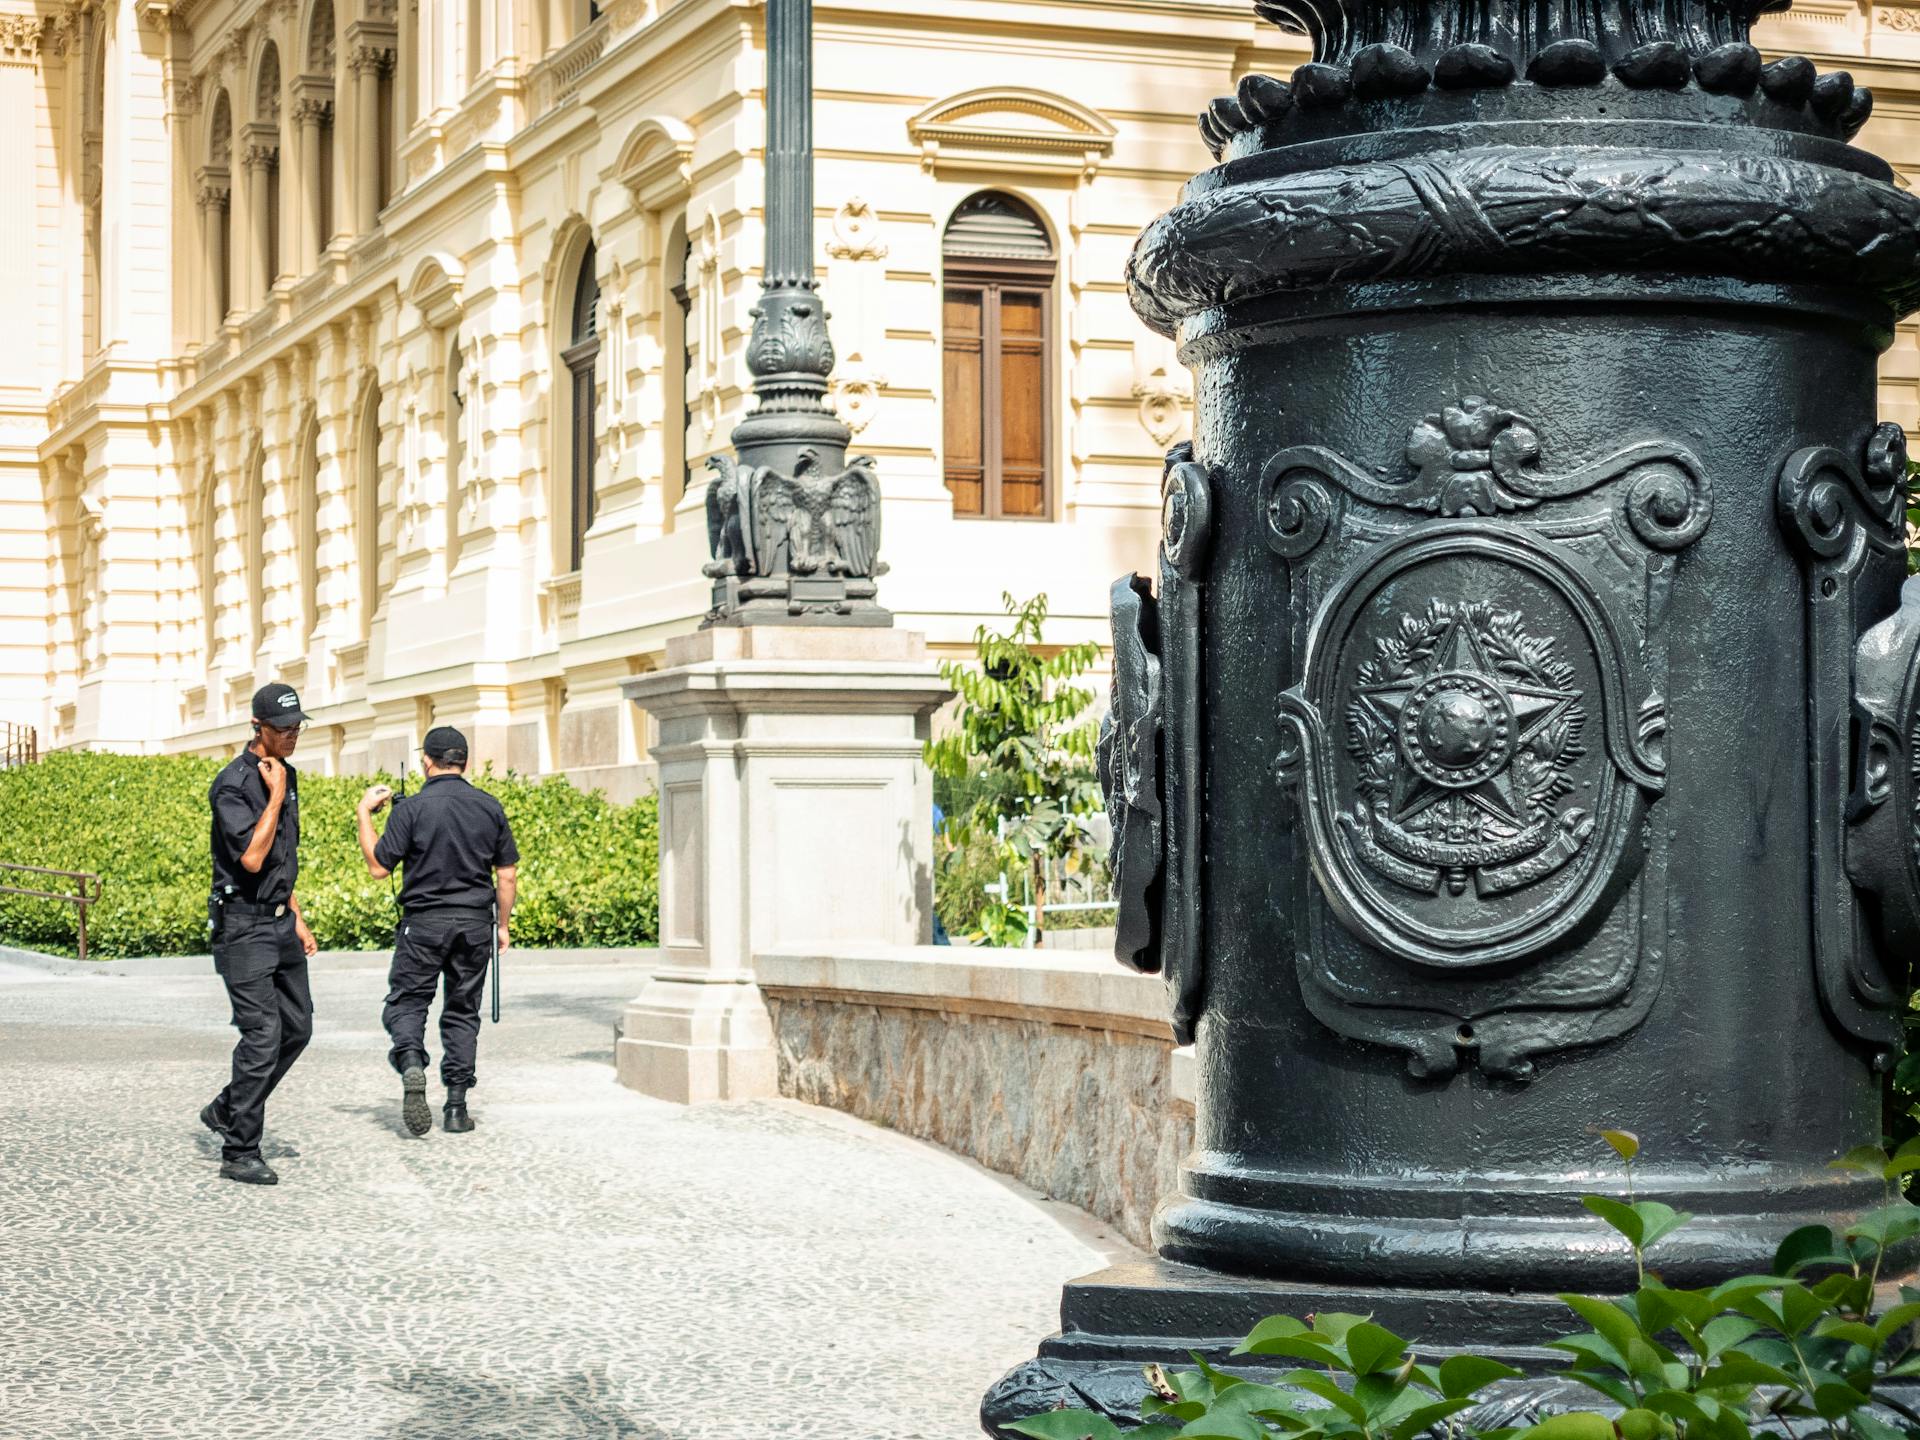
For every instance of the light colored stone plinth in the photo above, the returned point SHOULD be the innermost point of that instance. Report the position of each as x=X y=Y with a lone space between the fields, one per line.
x=697 y=1039
x=795 y=810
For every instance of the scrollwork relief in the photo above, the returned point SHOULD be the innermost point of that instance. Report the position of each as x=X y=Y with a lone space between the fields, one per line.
x=1479 y=458
x=1844 y=517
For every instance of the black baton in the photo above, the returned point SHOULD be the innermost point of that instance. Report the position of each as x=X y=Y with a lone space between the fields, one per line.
x=494 y=940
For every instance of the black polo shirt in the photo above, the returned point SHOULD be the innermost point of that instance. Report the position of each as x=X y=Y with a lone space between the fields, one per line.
x=238 y=799
x=445 y=841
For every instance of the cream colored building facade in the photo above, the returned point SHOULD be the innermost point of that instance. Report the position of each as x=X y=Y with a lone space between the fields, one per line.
x=377 y=345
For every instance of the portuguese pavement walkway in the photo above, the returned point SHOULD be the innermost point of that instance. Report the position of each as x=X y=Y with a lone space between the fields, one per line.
x=587 y=1263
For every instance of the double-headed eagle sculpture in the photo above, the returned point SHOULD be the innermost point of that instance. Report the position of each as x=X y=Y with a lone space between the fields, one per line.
x=760 y=522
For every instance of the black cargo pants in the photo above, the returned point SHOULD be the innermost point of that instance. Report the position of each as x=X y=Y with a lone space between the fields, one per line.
x=430 y=944
x=257 y=953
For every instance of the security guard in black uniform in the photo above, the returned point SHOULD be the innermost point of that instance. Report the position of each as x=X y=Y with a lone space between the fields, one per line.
x=260 y=941
x=449 y=841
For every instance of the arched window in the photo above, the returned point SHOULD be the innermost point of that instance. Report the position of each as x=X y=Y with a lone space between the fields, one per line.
x=306 y=528
x=997 y=343
x=264 y=157
x=456 y=423
x=366 y=505
x=677 y=412
x=581 y=357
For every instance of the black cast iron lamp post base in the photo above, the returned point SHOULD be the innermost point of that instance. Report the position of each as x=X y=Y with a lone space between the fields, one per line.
x=1522 y=732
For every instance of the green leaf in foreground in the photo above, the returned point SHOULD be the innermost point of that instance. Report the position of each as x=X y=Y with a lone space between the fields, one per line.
x=1068 y=1425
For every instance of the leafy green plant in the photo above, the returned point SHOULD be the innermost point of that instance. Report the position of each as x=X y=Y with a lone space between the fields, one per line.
x=1913 y=518
x=1023 y=754
x=589 y=873
x=1803 y=1351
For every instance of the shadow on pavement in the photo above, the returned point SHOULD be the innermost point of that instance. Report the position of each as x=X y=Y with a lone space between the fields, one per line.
x=384 y=1116
x=558 y=1005
x=208 y=1144
x=463 y=1407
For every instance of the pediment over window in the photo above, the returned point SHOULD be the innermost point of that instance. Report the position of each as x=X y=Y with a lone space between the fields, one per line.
x=656 y=163
x=1005 y=128
x=436 y=290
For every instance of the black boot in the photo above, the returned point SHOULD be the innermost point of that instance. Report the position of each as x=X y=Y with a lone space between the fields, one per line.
x=250 y=1171
x=454 y=1118
x=413 y=1099
x=210 y=1119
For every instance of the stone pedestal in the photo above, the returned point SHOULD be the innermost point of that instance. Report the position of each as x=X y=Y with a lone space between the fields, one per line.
x=795 y=810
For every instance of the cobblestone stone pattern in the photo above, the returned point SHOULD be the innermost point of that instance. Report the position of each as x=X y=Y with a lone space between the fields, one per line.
x=1084 y=1116
x=587 y=1263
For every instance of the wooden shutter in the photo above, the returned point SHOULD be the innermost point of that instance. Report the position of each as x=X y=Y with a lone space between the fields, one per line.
x=1023 y=403
x=966 y=434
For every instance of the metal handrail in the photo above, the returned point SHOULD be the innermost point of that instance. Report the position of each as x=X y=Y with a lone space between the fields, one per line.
x=19 y=745
x=79 y=898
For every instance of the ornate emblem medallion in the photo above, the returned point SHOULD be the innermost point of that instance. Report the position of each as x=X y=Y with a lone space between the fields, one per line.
x=1496 y=721
x=1465 y=729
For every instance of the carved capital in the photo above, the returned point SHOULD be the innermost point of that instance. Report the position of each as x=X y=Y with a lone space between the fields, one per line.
x=790 y=335
x=20 y=39
x=260 y=157
x=371 y=59
x=233 y=50
x=60 y=31
x=313 y=111
x=162 y=15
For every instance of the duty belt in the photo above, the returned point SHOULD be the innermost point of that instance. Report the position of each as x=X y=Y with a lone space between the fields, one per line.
x=249 y=907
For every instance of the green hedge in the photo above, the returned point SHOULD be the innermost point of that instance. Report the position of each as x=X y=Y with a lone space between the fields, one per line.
x=589 y=869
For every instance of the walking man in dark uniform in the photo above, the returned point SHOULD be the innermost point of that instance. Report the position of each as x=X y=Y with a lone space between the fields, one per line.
x=449 y=842
x=260 y=941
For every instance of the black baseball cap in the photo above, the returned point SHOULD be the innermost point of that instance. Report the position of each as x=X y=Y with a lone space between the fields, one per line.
x=279 y=706
x=445 y=745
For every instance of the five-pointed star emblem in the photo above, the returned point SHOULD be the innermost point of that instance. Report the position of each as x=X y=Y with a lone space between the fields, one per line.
x=1533 y=707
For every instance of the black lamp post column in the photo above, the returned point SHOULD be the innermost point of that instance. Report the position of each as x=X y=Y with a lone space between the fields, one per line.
x=794 y=527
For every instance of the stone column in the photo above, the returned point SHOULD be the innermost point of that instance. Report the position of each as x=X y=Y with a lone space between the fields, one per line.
x=1488 y=764
x=366 y=138
x=310 y=114
x=214 y=197
x=794 y=810
x=239 y=242
x=263 y=265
